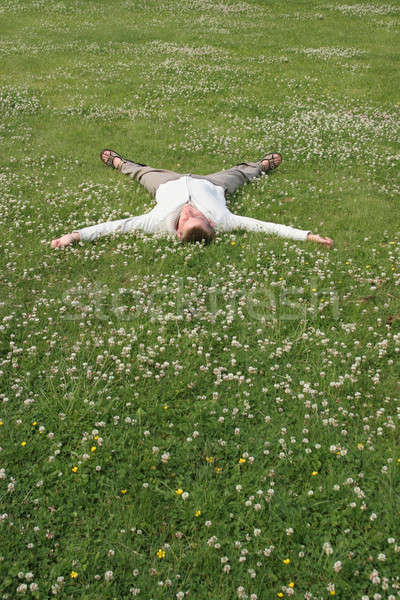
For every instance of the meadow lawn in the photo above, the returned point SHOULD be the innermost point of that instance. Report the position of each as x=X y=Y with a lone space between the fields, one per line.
x=188 y=421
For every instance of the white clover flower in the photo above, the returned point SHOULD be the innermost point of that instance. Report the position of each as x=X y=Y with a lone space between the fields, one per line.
x=108 y=575
x=381 y=557
x=337 y=567
x=374 y=577
x=165 y=457
x=21 y=589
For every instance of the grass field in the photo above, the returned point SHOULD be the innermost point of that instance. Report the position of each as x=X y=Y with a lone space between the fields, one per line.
x=202 y=422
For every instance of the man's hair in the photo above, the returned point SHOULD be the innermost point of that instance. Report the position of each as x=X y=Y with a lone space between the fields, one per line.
x=198 y=232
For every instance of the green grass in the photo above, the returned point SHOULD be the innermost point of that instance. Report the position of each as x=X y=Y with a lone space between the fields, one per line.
x=257 y=377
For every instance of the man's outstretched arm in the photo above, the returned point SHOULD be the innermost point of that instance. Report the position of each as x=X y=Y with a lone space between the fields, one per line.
x=88 y=234
x=284 y=231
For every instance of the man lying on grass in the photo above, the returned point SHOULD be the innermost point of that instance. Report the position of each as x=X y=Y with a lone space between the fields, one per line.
x=191 y=206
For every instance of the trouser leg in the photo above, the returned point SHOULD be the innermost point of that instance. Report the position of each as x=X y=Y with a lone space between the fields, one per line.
x=150 y=178
x=232 y=179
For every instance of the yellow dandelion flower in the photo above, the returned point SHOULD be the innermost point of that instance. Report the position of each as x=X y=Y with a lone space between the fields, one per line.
x=314 y=473
x=332 y=592
x=209 y=459
x=96 y=437
x=34 y=423
x=93 y=449
x=291 y=584
x=161 y=553
x=286 y=561
x=73 y=575
x=360 y=446
x=280 y=594
x=74 y=469
x=123 y=491
x=23 y=443
x=242 y=461
x=165 y=407
x=197 y=513
x=1 y=423
x=218 y=469
x=233 y=243
x=179 y=491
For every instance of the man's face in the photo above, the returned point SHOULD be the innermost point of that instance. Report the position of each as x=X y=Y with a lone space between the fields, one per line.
x=190 y=216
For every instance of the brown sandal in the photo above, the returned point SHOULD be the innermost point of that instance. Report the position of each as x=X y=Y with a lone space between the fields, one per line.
x=110 y=160
x=271 y=164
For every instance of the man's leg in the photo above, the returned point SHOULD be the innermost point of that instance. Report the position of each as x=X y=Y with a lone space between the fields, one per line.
x=232 y=179
x=150 y=178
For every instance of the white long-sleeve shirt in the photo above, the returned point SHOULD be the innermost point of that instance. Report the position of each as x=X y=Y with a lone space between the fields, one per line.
x=208 y=198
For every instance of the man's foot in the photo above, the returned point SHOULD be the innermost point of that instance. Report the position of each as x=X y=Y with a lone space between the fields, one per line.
x=111 y=158
x=271 y=161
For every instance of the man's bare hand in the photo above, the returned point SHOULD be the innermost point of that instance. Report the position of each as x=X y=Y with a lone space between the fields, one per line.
x=65 y=240
x=325 y=241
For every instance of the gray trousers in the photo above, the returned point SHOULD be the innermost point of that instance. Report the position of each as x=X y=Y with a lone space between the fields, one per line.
x=230 y=179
